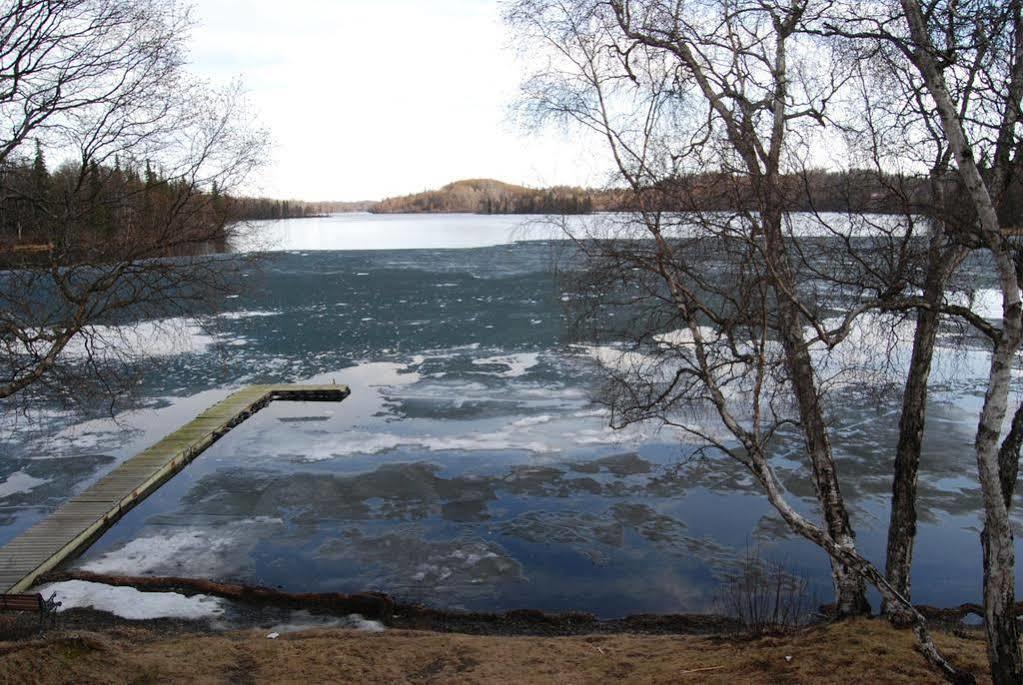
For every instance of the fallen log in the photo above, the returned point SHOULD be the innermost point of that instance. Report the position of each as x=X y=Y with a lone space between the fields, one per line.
x=369 y=604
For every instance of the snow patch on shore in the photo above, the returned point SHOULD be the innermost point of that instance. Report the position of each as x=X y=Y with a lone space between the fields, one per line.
x=130 y=603
x=301 y=620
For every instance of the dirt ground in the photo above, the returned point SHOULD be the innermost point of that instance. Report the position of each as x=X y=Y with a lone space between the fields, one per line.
x=862 y=651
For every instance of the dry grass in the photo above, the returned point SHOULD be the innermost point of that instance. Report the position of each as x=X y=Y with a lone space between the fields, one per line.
x=854 y=652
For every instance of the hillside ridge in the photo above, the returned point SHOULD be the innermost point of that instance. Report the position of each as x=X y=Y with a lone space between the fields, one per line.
x=490 y=196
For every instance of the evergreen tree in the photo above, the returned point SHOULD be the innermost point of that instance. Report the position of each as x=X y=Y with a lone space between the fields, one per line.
x=40 y=176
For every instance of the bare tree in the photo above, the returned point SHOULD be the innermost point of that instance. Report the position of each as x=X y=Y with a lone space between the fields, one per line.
x=892 y=127
x=964 y=61
x=743 y=311
x=146 y=154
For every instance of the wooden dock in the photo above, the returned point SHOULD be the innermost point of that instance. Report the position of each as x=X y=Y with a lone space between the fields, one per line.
x=69 y=530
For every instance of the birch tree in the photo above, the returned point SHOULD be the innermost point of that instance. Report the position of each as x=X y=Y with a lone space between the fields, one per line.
x=744 y=314
x=892 y=128
x=968 y=58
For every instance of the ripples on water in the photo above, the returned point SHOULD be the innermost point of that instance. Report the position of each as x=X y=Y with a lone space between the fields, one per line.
x=469 y=468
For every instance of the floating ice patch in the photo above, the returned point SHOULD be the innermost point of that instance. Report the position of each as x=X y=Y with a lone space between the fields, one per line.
x=130 y=603
x=608 y=436
x=532 y=421
x=517 y=364
x=376 y=443
x=248 y=314
x=354 y=443
x=19 y=482
x=684 y=337
x=157 y=338
x=615 y=358
x=986 y=302
x=436 y=564
x=202 y=553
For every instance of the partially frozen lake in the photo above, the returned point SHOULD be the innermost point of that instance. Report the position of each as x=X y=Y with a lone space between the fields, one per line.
x=469 y=468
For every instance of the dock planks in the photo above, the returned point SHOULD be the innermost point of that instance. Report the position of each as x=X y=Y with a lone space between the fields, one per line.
x=81 y=520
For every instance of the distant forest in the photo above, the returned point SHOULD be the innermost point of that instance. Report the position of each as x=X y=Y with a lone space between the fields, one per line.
x=254 y=208
x=855 y=190
x=81 y=208
x=814 y=190
x=100 y=202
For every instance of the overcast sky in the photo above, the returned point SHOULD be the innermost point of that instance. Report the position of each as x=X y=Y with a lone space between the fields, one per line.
x=370 y=98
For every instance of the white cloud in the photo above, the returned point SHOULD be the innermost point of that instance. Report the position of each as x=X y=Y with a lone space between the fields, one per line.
x=373 y=98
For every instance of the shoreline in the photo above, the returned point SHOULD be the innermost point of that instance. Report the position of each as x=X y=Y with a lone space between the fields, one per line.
x=860 y=650
x=253 y=603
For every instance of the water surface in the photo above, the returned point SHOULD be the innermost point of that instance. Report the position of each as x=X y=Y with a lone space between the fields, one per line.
x=470 y=467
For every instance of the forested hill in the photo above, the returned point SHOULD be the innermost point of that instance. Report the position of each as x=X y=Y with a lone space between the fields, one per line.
x=487 y=196
x=815 y=190
x=855 y=190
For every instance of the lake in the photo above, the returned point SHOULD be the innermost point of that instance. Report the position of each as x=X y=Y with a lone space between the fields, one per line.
x=470 y=468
